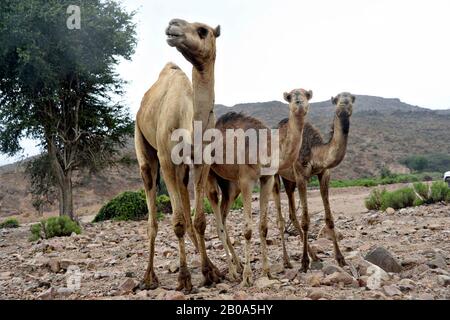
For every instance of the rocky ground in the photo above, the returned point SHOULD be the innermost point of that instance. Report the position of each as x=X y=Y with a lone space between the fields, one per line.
x=411 y=245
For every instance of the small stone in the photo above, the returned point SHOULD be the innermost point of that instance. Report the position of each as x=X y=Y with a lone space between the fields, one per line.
x=384 y=259
x=316 y=265
x=6 y=275
x=127 y=286
x=325 y=232
x=391 y=291
x=314 y=279
x=390 y=210
x=48 y=294
x=94 y=245
x=438 y=262
x=406 y=285
x=223 y=287
x=142 y=294
x=277 y=268
x=54 y=265
x=175 y=295
x=265 y=282
x=443 y=280
x=64 y=292
x=316 y=294
x=65 y=264
x=173 y=267
x=339 y=277
x=241 y=295
x=331 y=268
x=377 y=277
x=290 y=274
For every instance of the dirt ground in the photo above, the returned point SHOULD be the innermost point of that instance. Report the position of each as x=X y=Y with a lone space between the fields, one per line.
x=109 y=259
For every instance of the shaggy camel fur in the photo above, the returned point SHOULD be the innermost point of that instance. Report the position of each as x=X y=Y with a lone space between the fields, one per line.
x=173 y=103
x=316 y=158
x=233 y=179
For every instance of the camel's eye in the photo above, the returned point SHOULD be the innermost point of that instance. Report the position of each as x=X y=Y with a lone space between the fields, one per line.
x=202 y=32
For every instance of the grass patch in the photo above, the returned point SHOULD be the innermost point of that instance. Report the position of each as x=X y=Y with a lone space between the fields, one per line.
x=54 y=227
x=9 y=224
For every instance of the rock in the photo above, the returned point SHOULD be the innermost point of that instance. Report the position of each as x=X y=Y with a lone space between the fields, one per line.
x=384 y=259
x=316 y=265
x=48 y=294
x=66 y=263
x=265 y=282
x=331 y=268
x=277 y=268
x=6 y=275
x=443 y=280
x=142 y=294
x=377 y=277
x=438 y=262
x=175 y=295
x=94 y=245
x=316 y=294
x=101 y=275
x=127 y=286
x=390 y=210
x=54 y=265
x=241 y=295
x=173 y=267
x=314 y=279
x=223 y=287
x=406 y=285
x=339 y=277
x=64 y=292
x=391 y=291
x=290 y=274
x=326 y=233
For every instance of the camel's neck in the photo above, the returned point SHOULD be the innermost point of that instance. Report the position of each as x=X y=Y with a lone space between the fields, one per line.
x=203 y=95
x=292 y=142
x=337 y=146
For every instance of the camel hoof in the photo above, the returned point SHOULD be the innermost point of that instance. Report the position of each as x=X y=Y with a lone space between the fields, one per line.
x=247 y=282
x=305 y=265
x=233 y=275
x=184 y=281
x=287 y=264
x=211 y=274
x=150 y=282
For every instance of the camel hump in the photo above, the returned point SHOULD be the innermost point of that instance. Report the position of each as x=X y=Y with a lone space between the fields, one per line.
x=171 y=65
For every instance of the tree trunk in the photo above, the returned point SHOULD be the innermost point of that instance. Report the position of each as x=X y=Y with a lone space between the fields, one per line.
x=66 y=198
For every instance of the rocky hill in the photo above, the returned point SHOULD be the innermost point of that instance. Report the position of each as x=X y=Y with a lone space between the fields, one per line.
x=382 y=132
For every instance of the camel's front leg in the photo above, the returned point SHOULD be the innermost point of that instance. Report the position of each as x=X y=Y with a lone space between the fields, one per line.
x=210 y=272
x=280 y=220
x=301 y=185
x=324 y=179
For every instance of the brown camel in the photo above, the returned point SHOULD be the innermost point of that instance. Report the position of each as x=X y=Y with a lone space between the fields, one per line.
x=233 y=179
x=316 y=158
x=173 y=103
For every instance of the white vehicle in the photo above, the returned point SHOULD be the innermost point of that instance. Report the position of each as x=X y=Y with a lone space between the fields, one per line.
x=447 y=177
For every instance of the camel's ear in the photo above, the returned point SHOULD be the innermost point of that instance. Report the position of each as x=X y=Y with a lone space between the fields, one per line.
x=334 y=100
x=353 y=99
x=217 y=32
x=287 y=97
x=309 y=94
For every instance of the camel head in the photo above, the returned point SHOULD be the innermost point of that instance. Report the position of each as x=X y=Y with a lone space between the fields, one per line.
x=196 y=41
x=298 y=100
x=344 y=103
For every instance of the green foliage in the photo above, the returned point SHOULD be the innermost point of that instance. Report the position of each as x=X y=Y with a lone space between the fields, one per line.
x=54 y=227
x=9 y=224
x=398 y=199
x=422 y=190
x=431 y=162
x=386 y=173
x=439 y=191
x=373 y=202
x=132 y=205
x=42 y=181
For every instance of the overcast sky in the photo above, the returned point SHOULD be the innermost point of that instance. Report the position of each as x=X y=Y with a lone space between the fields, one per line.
x=385 y=48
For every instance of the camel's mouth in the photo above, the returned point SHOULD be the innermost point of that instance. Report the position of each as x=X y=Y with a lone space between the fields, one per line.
x=173 y=35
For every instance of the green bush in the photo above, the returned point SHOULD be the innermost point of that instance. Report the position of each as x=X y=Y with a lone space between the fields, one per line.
x=398 y=199
x=373 y=202
x=439 y=191
x=54 y=227
x=9 y=224
x=132 y=205
x=238 y=203
x=422 y=190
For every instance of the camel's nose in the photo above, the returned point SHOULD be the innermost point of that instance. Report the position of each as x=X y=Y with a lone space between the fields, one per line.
x=177 y=22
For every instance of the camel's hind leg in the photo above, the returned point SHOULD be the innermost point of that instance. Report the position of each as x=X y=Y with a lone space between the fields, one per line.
x=301 y=185
x=266 y=188
x=247 y=186
x=280 y=220
x=184 y=181
x=149 y=166
x=289 y=186
x=213 y=197
x=324 y=179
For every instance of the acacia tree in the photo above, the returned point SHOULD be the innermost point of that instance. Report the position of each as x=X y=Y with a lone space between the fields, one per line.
x=58 y=85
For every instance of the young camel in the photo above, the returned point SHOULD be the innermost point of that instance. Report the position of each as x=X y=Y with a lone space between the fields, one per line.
x=233 y=179
x=316 y=158
x=173 y=103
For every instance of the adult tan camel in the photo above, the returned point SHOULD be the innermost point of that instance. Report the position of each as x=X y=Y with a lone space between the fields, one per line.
x=173 y=103
x=316 y=158
x=232 y=179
